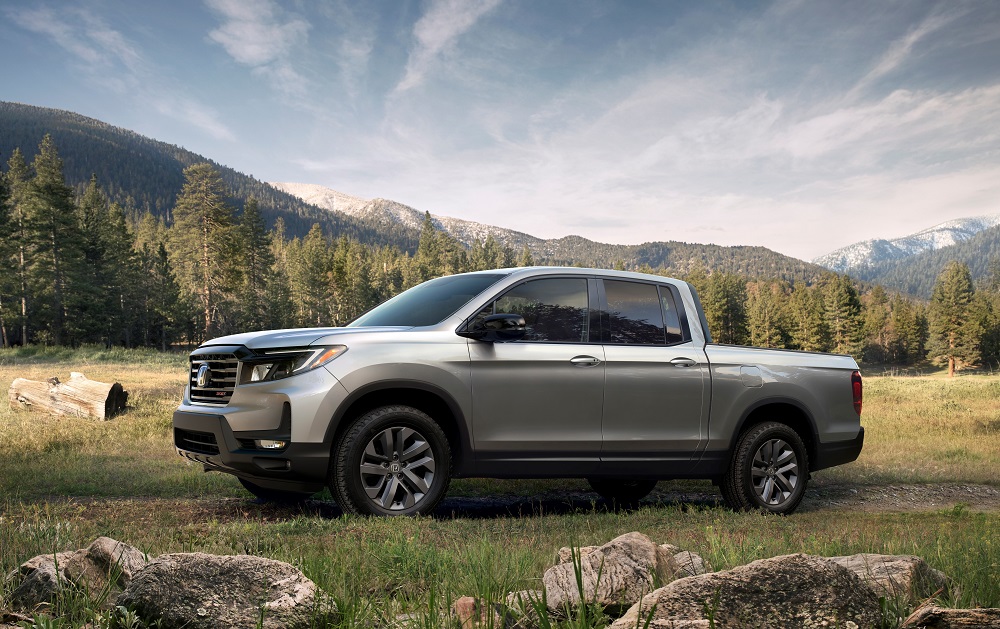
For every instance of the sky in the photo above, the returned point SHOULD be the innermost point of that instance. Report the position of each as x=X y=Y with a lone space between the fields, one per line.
x=801 y=126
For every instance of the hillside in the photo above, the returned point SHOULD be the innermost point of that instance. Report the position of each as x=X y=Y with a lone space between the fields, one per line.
x=145 y=174
x=676 y=257
x=915 y=275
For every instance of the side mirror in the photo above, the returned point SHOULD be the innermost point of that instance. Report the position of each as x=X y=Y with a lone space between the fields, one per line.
x=497 y=328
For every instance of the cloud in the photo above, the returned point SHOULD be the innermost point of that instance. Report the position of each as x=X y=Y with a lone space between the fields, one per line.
x=437 y=30
x=254 y=35
x=109 y=58
x=900 y=50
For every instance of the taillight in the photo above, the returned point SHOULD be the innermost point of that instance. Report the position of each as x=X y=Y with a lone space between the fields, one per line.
x=856 y=387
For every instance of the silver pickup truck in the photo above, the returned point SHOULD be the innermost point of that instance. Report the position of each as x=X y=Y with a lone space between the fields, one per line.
x=518 y=373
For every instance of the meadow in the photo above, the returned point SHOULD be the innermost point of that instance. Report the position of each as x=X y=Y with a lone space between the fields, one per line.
x=65 y=480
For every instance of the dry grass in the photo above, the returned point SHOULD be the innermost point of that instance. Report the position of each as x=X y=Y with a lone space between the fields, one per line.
x=65 y=481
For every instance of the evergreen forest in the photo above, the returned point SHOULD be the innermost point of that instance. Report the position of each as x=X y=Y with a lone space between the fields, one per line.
x=79 y=266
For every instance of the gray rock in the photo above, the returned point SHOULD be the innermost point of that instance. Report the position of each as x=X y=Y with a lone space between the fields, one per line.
x=903 y=577
x=197 y=590
x=940 y=618
x=690 y=564
x=614 y=575
x=782 y=592
x=106 y=565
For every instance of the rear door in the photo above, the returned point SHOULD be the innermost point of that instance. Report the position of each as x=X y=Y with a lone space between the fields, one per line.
x=538 y=402
x=656 y=393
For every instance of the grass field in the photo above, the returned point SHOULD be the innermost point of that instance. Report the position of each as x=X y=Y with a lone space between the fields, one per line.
x=65 y=481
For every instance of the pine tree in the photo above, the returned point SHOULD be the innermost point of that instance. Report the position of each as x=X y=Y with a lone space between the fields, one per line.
x=18 y=181
x=809 y=330
x=879 y=335
x=56 y=244
x=6 y=260
x=525 y=259
x=954 y=331
x=766 y=315
x=310 y=280
x=725 y=308
x=255 y=263
x=200 y=240
x=842 y=308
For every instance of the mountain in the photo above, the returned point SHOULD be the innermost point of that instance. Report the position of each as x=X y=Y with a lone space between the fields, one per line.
x=860 y=259
x=915 y=275
x=678 y=258
x=146 y=175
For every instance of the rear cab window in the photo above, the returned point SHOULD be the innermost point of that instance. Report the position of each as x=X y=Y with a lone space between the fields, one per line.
x=640 y=313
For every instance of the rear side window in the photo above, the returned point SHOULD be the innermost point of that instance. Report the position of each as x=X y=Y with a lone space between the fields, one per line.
x=555 y=310
x=635 y=314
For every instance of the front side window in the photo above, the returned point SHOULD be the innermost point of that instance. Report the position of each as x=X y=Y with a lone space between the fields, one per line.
x=555 y=310
x=634 y=313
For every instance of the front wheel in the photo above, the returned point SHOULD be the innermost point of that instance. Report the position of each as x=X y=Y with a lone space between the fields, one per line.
x=393 y=460
x=768 y=472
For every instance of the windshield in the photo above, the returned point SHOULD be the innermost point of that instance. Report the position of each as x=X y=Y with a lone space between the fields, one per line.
x=427 y=303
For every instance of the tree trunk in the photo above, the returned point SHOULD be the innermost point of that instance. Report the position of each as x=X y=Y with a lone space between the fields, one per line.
x=951 y=366
x=79 y=396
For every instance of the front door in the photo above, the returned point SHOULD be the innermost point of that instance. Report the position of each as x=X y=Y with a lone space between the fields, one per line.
x=538 y=402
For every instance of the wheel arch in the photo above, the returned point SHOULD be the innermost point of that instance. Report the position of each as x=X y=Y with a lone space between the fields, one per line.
x=787 y=411
x=430 y=399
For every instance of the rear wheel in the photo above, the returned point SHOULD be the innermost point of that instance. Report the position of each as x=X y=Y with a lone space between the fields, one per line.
x=769 y=470
x=622 y=491
x=393 y=460
x=281 y=496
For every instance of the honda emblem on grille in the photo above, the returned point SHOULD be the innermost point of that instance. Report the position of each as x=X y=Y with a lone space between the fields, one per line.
x=204 y=376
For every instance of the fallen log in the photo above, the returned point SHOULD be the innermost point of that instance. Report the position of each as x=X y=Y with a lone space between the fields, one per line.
x=79 y=396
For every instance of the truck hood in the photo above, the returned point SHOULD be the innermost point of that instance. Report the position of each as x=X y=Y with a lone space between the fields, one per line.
x=298 y=337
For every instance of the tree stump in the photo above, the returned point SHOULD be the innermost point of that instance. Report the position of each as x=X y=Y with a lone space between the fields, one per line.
x=79 y=396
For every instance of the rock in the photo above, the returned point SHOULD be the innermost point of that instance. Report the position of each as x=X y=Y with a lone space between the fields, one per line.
x=940 y=618
x=904 y=577
x=789 y=591
x=628 y=567
x=196 y=590
x=106 y=562
x=467 y=611
x=565 y=554
x=690 y=564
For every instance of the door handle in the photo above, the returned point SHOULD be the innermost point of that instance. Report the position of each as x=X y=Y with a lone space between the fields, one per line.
x=585 y=361
x=683 y=362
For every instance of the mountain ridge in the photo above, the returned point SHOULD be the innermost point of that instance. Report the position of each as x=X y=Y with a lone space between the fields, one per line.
x=862 y=257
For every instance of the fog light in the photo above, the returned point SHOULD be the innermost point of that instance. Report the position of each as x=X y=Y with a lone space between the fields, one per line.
x=270 y=444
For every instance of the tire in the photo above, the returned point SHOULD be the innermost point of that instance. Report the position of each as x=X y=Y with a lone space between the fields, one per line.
x=622 y=491
x=280 y=496
x=393 y=460
x=769 y=470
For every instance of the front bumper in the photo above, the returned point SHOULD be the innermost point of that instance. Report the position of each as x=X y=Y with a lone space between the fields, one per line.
x=839 y=452
x=208 y=439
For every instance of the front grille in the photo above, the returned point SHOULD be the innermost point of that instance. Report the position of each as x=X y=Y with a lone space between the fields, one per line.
x=222 y=370
x=200 y=442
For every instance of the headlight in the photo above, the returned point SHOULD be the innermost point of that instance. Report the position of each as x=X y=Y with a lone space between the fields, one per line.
x=283 y=363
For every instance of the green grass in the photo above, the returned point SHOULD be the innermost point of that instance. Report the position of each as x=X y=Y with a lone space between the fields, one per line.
x=66 y=481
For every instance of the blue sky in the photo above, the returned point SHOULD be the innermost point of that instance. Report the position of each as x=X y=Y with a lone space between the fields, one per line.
x=798 y=126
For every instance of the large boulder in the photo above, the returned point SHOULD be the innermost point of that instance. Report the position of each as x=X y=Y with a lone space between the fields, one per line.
x=628 y=567
x=106 y=565
x=940 y=618
x=198 y=590
x=789 y=591
x=902 y=577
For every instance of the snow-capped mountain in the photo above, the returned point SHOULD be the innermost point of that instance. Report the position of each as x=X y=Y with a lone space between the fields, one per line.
x=866 y=254
x=386 y=212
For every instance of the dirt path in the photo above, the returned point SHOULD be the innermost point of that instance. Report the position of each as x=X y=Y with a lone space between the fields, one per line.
x=819 y=497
